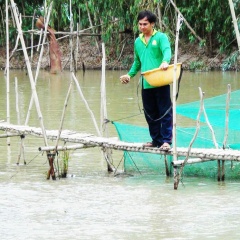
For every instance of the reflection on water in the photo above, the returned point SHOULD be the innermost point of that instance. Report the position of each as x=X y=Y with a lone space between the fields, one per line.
x=90 y=203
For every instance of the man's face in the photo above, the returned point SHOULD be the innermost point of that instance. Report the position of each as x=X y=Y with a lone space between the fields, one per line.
x=145 y=26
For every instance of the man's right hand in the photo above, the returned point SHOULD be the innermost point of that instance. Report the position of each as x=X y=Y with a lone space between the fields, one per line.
x=125 y=79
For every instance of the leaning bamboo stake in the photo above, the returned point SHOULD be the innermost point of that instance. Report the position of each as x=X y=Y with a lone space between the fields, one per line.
x=185 y=21
x=86 y=104
x=198 y=124
x=91 y=24
x=43 y=42
x=220 y=173
x=210 y=127
x=63 y=115
x=35 y=96
x=39 y=63
x=235 y=23
x=214 y=141
x=178 y=177
x=124 y=43
x=15 y=47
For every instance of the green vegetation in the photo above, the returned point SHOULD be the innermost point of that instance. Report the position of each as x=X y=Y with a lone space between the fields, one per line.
x=115 y=20
x=64 y=164
x=197 y=66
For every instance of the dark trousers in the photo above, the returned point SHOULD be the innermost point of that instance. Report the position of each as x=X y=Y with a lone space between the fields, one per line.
x=157 y=106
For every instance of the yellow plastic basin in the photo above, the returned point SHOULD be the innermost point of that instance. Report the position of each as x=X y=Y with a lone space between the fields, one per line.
x=158 y=77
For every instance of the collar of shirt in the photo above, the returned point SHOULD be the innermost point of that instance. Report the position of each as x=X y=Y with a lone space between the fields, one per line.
x=142 y=36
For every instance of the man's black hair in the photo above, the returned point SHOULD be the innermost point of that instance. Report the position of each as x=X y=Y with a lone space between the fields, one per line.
x=151 y=17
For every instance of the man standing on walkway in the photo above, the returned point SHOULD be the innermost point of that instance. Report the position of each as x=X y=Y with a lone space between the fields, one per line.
x=152 y=50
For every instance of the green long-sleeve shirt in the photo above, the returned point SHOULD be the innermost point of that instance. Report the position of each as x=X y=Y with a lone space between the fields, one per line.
x=151 y=55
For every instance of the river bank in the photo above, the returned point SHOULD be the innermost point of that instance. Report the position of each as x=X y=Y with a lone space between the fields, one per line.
x=88 y=56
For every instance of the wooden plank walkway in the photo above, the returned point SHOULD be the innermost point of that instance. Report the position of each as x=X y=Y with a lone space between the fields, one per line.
x=89 y=140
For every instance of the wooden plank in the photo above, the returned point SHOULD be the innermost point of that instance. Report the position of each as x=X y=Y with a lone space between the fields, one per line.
x=95 y=141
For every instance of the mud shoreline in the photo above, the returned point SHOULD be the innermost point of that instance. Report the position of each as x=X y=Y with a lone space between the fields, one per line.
x=190 y=55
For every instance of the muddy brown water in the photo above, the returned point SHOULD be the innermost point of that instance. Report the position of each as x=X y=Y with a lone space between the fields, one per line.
x=90 y=203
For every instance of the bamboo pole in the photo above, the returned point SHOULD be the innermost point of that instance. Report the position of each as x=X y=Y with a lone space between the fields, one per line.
x=91 y=24
x=166 y=166
x=33 y=18
x=16 y=43
x=79 y=18
x=3 y=30
x=113 y=143
x=86 y=104
x=17 y=101
x=77 y=33
x=219 y=170
x=6 y=135
x=185 y=21
x=210 y=127
x=35 y=96
x=71 y=39
x=63 y=114
x=159 y=15
x=215 y=143
x=174 y=94
x=235 y=23
x=178 y=177
x=40 y=40
x=7 y=69
x=77 y=49
x=104 y=129
x=64 y=148
x=223 y=171
x=39 y=63
x=227 y=116
x=191 y=161
x=226 y=129
x=13 y=20
x=103 y=91
x=198 y=123
x=124 y=43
